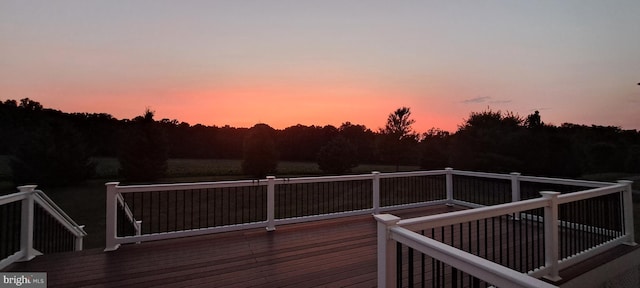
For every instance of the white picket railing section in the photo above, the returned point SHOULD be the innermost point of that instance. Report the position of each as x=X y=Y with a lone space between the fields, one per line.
x=29 y=200
x=342 y=196
x=393 y=230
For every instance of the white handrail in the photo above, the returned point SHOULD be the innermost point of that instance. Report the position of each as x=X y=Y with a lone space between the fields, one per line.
x=486 y=270
x=54 y=210
x=438 y=220
x=29 y=197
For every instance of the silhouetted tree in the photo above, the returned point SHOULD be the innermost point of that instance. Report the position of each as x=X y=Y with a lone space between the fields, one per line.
x=533 y=120
x=143 y=153
x=52 y=153
x=260 y=156
x=302 y=143
x=338 y=156
x=435 y=149
x=489 y=141
x=362 y=138
x=397 y=141
x=399 y=124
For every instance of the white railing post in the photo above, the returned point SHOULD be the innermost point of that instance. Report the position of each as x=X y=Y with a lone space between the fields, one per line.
x=551 y=246
x=26 y=228
x=515 y=190
x=449 y=181
x=376 y=192
x=111 y=220
x=386 y=251
x=627 y=198
x=271 y=203
x=515 y=187
x=78 y=243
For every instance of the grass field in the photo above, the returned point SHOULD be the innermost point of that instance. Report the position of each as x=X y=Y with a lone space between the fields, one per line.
x=85 y=202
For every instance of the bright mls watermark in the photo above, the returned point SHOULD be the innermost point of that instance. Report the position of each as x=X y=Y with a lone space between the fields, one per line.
x=23 y=279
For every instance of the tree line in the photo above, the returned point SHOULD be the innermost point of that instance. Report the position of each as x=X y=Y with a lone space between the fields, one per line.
x=48 y=146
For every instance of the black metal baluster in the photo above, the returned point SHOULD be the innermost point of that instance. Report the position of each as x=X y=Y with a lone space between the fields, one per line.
x=410 y=267
x=434 y=271
x=399 y=264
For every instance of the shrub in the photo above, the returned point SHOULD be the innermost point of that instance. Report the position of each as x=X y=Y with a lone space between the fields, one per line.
x=338 y=156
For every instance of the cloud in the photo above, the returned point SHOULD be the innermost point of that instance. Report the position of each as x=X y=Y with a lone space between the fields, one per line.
x=484 y=99
x=476 y=100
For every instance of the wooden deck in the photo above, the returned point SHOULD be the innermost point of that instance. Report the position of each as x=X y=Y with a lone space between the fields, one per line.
x=331 y=253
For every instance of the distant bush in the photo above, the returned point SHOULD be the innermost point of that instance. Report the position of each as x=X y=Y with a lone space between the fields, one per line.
x=338 y=156
x=52 y=153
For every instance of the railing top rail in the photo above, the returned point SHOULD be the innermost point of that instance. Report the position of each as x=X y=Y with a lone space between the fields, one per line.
x=55 y=210
x=562 y=181
x=188 y=186
x=413 y=173
x=300 y=180
x=481 y=268
x=591 y=193
x=438 y=220
x=482 y=174
x=5 y=199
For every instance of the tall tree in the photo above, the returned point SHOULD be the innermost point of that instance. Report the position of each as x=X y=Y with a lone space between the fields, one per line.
x=435 y=149
x=399 y=124
x=143 y=153
x=260 y=156
x=397 y=142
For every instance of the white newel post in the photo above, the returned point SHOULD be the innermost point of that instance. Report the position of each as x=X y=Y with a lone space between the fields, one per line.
x=112 y=217
x=78 y=242
x=627 y=198
x=26 y=229
x=271 y=203
x=515 y=190
x=449 y=181
x=376 y=192
x=552 y=251
x=386 y=251
x=515 y=187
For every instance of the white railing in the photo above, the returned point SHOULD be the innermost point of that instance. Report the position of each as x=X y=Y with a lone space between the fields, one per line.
x=392 y=230
x=310 y=198
x=28 y=198
x=157 y=211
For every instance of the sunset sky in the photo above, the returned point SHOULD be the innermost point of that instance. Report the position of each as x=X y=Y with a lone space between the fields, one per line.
x=325 y=62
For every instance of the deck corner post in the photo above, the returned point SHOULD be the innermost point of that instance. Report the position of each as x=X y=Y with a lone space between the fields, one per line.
x=515 y=190
x=271 y=203
x=515 y=187
x=376 y=192
x=386 y=250
x=111 y=217
x=449 y=183
x=77 y=245
x=627 y=198
x=26 y=229
x=551 y=236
